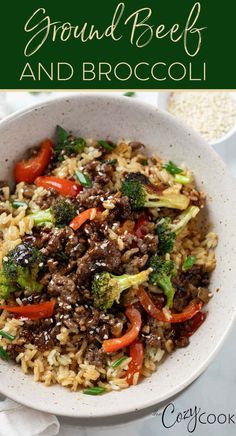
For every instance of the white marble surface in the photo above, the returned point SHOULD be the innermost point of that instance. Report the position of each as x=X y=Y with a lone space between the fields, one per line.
x=212 y=395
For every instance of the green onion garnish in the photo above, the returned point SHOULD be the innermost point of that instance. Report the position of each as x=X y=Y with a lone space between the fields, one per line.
x=105 y=144
x=189 y=262
x=184 y=180
x=84 y=179
x=110 y=162
x=18 y=203
x=119 y=361
x=3 y=354
x=129 y=94
x=62 y=134
x=172 y=168
x=144 y=162
x=6 y=335
x=96 y=390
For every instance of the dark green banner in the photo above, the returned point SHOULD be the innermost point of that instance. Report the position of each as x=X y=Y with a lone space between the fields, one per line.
x=134 y=44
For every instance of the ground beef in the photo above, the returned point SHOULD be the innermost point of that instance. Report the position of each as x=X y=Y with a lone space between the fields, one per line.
x=181 y=342
x=3 y=208
x=52 y=241
x=189 y=285
x=41 y=333
x=156 y=335
x=105 y=173
x=204 y=295
x=95 y=231
x=95 y=356
x=3 y=184
x=196 y=275
x=102 y=256
x=29 y=191
x=31 y=299
x=135 y=145
x=122 y=210
x=13 y=350
x=63 y=286
x=47 y=200
x=148 y=244
x=136 y=264
x=93 y=323
x=91 y=197
x=75 y=246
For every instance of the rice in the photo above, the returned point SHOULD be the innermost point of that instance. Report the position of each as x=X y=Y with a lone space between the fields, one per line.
x=65 y=364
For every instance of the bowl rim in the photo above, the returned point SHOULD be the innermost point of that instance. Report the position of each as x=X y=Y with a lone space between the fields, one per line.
x=127 y=409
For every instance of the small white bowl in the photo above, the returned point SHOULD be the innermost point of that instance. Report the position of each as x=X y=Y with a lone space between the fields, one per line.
x=162 y=103
x=113 y=117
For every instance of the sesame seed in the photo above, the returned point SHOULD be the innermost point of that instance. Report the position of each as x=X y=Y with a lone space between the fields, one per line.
x=212 y=114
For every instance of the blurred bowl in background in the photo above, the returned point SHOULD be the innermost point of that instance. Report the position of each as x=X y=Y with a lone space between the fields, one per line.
x=162 y=103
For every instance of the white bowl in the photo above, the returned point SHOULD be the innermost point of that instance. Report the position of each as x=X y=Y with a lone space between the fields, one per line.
x=92 y=115
x=218 y=144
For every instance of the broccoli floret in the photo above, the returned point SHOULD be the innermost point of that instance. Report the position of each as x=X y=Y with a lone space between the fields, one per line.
x=142 y=193
x=168 y=230
x=5 y=287
x=67 y=144
x=20 y=269
x=166 y=237
x=107 y=288
x=60 y=214
x=162 y=272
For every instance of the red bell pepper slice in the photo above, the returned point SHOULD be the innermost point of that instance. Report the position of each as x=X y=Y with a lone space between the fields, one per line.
x=192 y=325
x=80 y=219
x=112 y=345
x=28 y=170
x=135 y=365
x=32 y=311
x=65 y=187
x=158 y=314
x=140 y=227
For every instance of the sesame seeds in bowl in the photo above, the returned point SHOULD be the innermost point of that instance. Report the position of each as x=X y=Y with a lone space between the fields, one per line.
x=211 y=114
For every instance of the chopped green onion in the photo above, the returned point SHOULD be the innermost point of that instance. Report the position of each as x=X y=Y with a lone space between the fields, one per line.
x=129 y=94
x=111 y=161
x=84 y=179
x=96 y=390
x=6 y=335
x=172 y=168
x=144 y=162
x=105 y=144
x=119 y=361
x=62 y=134
x=3 y=354
x=188 y=263
x=18 y=203
x=184 y=180
x=78 y=144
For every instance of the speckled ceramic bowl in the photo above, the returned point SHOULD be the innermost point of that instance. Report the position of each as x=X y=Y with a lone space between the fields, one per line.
x=92 y=115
